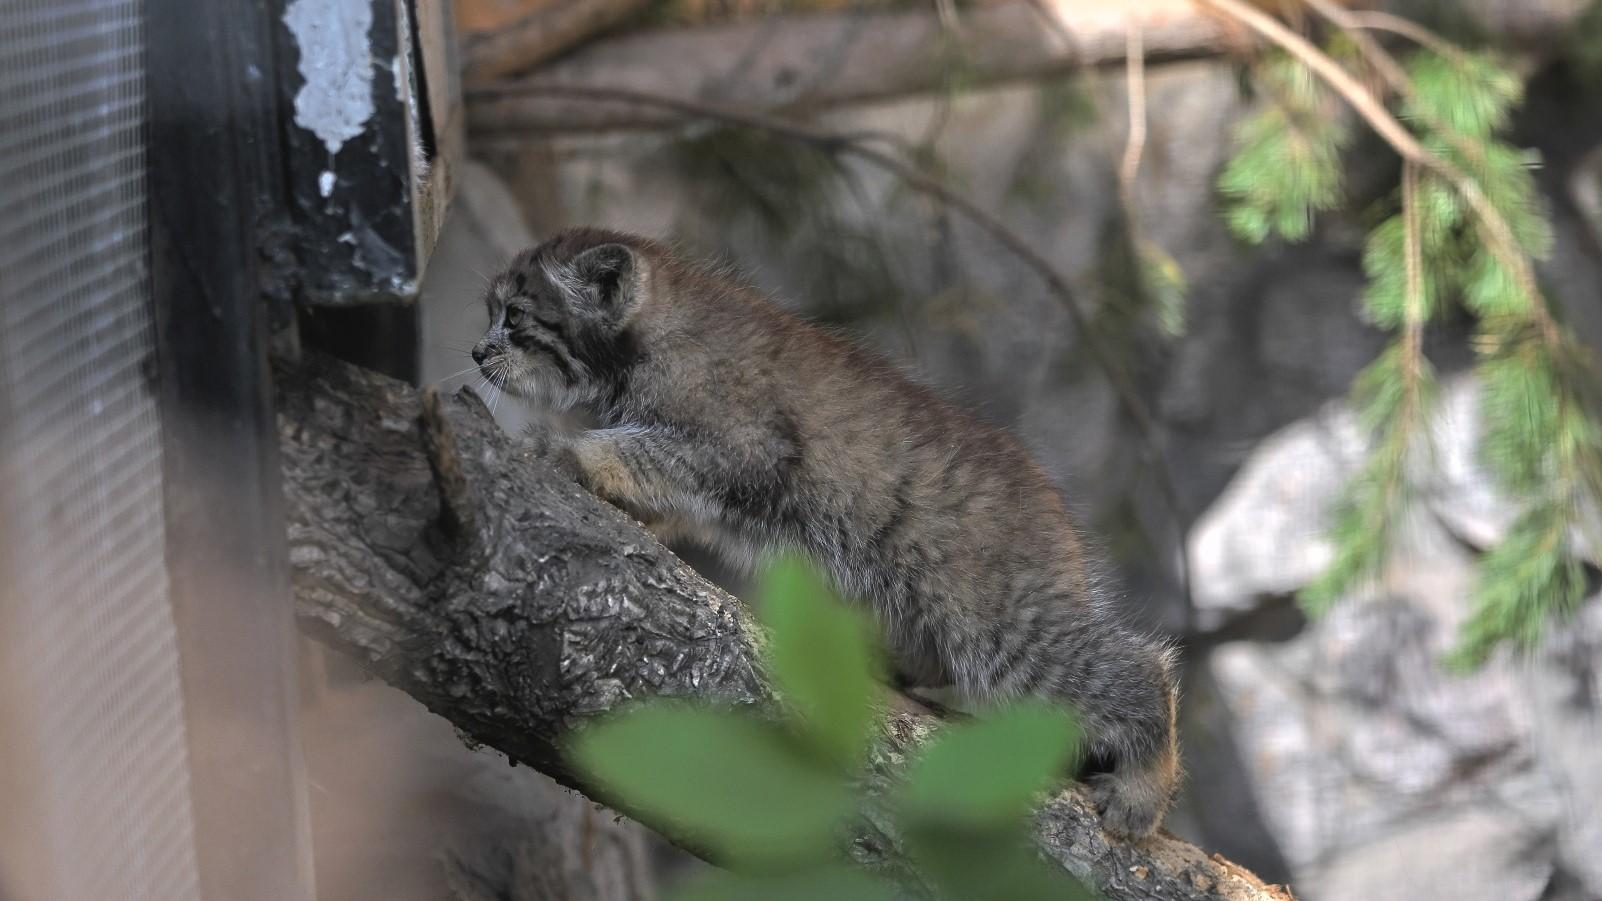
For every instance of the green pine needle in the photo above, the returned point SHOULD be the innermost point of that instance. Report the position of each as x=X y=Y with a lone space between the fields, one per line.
x=1520 y=419
x=1523 y=584
x=1391 y=396
x=1286 y=166
x=1385 y=300
x=1471 y=93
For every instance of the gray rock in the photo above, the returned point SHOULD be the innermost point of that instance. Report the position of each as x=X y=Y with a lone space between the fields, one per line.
x=1381 y=774
x=1464 y=853
x=1564 y=699
x=1352 y=726
x=1266 y=535
x=1455 y=483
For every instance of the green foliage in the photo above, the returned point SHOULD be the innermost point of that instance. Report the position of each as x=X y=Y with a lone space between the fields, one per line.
x=1388 y=297
x=1544 y=442
x=719 y=778
x=824 y=883
x=1507 y=176
x=1390 y=396
x=1472 y=94
x=1539 y=437
x=954 y=784
x=1520 y=420
x=1064 y=109
x=1287 y=165
x=1524 y=582
x=776 y=800
x=821 y=657
x=963 y=807
x=758 y=180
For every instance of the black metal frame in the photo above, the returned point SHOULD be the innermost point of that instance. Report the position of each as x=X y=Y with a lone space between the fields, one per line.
x=216 y=188
x=366 y=215
x=245 y=226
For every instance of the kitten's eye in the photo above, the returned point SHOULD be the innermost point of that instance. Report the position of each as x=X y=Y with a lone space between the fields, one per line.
x=514 y=317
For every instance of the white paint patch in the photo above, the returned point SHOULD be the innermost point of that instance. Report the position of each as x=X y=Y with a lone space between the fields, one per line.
x=398 y=70
x=325 y=182
x=337 y=99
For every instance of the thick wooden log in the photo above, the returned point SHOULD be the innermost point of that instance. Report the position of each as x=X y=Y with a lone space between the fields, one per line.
x=516 y=605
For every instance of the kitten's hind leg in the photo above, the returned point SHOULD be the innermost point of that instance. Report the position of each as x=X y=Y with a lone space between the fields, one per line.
x=1135 y=794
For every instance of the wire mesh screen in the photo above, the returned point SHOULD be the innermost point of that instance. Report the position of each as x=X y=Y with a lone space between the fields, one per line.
x=91 y=724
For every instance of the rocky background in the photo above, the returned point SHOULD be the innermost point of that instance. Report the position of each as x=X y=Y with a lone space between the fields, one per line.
x=1335 y=755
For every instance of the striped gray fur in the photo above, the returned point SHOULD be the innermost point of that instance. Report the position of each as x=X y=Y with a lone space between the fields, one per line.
x=721 y=418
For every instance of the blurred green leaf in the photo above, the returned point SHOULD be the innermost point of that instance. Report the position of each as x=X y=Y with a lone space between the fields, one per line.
x=998 y=862
x=727 y=780
x=821 y=658
x=822 y=884
x=989 y=769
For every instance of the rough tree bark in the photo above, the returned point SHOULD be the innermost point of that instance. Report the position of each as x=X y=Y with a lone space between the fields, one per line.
x=516 y=605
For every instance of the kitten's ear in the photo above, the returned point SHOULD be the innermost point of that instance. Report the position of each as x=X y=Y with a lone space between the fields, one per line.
x=610 y=272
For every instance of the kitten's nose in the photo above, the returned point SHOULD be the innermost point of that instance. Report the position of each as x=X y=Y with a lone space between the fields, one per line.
x=479 y=354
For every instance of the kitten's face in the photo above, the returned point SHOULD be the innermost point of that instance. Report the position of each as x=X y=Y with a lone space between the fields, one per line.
x=557 y=330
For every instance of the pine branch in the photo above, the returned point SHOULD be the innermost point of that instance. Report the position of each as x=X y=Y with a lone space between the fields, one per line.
x=1372 y=20
x=1541 y=437
x=1394 y=394
x=1500 y=236
x=1287 y=164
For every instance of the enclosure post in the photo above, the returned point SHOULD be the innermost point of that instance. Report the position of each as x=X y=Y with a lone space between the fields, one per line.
x=215 y=191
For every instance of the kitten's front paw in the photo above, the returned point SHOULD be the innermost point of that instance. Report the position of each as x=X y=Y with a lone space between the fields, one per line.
x=543 y=445
x=537 y=441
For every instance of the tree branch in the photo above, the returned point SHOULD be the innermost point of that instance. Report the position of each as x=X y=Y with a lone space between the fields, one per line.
x=818 y=61
x=517 y=605
x=540 y=35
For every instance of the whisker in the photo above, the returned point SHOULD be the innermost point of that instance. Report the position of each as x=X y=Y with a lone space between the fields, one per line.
x=450 y=345
x=500 y=384
x=455 y=375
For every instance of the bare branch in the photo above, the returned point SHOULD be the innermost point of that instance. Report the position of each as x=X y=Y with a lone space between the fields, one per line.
x=1135 y=77
x=819 y=61
x=1407 y=28
x=541 y=35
